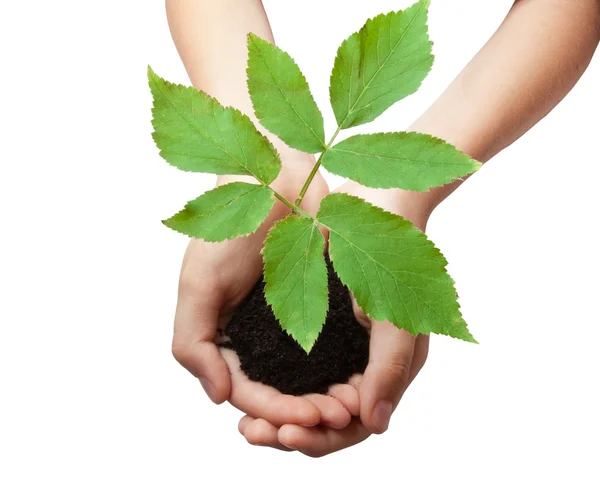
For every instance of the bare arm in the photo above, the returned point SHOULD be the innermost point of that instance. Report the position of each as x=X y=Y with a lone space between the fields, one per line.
x=210 y=37
x=527 y=67
x=532 y=61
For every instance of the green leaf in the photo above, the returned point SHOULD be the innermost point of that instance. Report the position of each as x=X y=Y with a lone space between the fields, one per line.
x=394 y=271
x=382 y=63
x=296 y=278
x=281 y=97
x=229 y=211
x=195 y=133
x=412 y=161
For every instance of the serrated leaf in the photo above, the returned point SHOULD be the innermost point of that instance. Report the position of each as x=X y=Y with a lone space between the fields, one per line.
x=392 y=268
x=281 y=98
x=296 y=278
x=232 y=210
x=407 y=160
x=381 y=64
x=195 y=133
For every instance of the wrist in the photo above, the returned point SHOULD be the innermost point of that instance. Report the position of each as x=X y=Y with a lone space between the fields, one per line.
x=294 y=164
x=464 y=138
x=296 y=168
x=413 y=206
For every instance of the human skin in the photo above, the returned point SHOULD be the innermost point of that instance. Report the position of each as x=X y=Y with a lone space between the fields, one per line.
x=215 y=278
x=526 y=68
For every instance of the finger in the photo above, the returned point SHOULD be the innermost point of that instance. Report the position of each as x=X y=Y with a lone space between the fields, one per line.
x=348 y=396
x=244 y=422
x=195 y=330
x=265 y=402
x=361 y=317
x=387 y=374
x=355 y=381
x=419 y=356
x=262 y=433
x=333 y=412
x=320 y=441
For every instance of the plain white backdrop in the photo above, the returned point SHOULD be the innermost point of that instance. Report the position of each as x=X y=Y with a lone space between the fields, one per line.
x=92 y=404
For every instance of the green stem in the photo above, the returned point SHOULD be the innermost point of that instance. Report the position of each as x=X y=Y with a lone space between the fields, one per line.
x=315 y=169
x=293 y=207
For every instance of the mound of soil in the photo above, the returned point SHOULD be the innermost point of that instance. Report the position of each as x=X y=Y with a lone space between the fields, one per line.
x=269 y=355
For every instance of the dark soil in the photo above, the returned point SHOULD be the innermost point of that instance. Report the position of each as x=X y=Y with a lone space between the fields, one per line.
x=271 y=356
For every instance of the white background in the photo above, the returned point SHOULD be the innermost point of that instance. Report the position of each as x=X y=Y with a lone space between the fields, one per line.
x=92 y=405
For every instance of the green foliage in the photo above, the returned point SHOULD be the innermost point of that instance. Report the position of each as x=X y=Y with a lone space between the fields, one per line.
x=393 y=270
x=390 y=266
x=195 y=133
x=281 y=98
x=382 y=63
x=296 y=277
x=411 y=161
x=229 y=211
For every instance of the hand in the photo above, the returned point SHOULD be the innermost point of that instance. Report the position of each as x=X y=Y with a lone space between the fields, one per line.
x=395 y=359
x=215 y=279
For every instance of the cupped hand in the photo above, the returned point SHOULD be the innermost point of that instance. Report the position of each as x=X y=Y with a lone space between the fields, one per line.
x=395 y=359
x=215 y=279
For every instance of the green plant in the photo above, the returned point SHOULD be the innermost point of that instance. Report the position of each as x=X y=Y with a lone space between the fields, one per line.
x=391 y=267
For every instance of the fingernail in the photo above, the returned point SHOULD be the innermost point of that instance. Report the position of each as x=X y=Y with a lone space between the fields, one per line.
x=291 y=447
x=382 y=414
x=209 y=389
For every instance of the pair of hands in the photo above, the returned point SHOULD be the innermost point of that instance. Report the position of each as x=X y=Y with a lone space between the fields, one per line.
x=215 y=279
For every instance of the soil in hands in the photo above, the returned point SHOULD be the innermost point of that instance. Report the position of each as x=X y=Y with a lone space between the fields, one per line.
x=269 y=355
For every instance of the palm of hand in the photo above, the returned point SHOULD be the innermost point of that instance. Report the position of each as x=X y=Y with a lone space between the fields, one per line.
x=396 y=357
x=215 y=279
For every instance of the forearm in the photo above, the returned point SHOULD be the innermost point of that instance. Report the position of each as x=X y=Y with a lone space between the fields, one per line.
x=210 y=37
x=534 y=59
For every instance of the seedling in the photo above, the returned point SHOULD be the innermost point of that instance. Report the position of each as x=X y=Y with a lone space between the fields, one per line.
x=392 y=268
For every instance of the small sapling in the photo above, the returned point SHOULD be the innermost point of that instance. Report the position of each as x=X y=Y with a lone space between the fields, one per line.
x=392 y=268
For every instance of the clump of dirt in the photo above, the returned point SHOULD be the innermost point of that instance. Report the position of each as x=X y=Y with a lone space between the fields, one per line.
x=269 y=355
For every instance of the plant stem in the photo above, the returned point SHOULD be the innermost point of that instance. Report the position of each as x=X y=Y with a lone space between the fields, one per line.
x=293 y=207
x=315 y=169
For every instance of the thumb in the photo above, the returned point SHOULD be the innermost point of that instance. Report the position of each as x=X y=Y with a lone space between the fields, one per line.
x=196 y=323
x=387 y=374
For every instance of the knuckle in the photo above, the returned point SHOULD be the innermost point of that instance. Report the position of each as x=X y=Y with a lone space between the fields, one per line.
x=398 y=370
x=242 y=426
x=182 y=354
x=254 y=435
x=252 y=438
